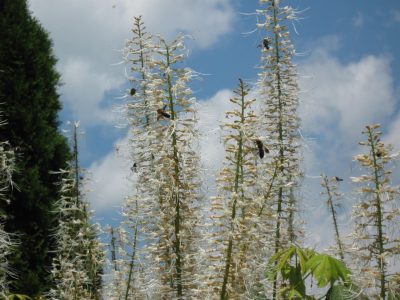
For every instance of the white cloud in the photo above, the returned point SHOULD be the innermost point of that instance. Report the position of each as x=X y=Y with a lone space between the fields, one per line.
x=341 y=99
x=110 y=180
x=392 y=137
x=83 y=89
x=88 y=35
x=211 y=114
x=94 y=28
x=338 y=101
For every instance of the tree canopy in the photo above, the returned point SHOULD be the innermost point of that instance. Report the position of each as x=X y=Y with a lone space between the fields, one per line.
x=30 y=102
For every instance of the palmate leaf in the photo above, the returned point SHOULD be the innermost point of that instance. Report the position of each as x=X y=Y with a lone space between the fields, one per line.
x=291 y=263
x=283 y=258
x=296 y=264
x=293 y=274
x=280 y=262
x=327 y=270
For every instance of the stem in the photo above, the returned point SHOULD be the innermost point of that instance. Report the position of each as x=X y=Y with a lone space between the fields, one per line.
x=333 y=212
x=132 y=262
x=277 y=238
x=238 y=176
x=141 y=55
x=91 y=288
x=378 y=203
x=281 y=148
x=75 y=287
x=292 y=203
x=113 y=256
x=266 y=195
x=76 y=165
x=177 y=224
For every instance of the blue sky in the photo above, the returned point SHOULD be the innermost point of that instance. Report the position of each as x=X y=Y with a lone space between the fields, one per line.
x=349 y=74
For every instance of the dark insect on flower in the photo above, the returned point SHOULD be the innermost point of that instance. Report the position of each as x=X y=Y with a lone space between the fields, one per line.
x=133 y=91
x=378 y=153
x=134 y=168
x=337 y=178
x=162 y=114
x=266 y=43
x=261 y=148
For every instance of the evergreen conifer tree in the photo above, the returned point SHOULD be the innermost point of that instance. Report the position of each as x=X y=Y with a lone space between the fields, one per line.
x=28 y=89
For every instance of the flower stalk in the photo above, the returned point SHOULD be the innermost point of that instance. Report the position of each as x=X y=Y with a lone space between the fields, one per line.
x=331 y=192
x=162 y=213
x=235 y=239
x=78 y=264
x=376 y=213
x=7 y=168
x=280 y=123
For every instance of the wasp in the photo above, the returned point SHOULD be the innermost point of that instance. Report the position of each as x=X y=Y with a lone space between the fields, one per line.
x=162 y=114
x=134 y=168
x=265 y=43
x=261 y=148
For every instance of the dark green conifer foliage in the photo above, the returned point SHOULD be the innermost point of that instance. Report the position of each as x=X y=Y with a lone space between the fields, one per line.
x=28 y=83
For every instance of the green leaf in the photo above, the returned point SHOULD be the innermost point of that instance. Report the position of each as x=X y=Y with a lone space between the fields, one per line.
x=284 y=257
x=304 y=255
x=289 y=270
x=337 y=292
x=296 y=281
x=327 y=270
x=295 y=294
x=18 y=297
x=280 y=262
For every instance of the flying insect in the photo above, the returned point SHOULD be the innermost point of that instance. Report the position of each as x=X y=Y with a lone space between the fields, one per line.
x=261 y=148
x=162 y=114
